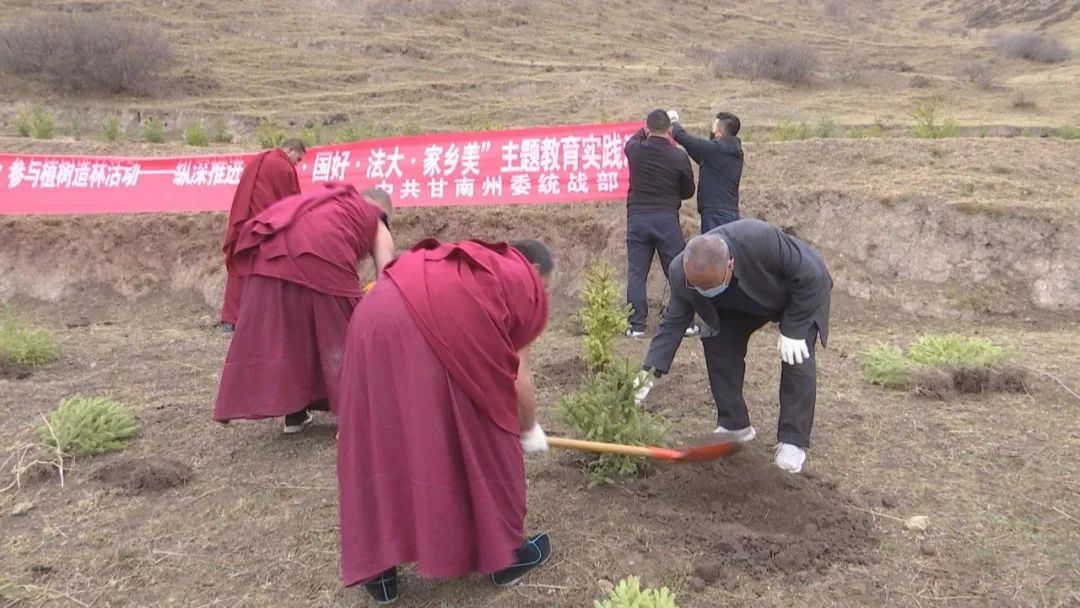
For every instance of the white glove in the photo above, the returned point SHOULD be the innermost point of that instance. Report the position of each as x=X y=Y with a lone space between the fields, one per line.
x=673 y=115
x=643 y=383
x=792 y=351
x=534 y=440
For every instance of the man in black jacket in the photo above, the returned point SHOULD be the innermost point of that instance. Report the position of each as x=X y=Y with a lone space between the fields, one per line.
x=720 y=161
x=660 y=178
x=737 y=278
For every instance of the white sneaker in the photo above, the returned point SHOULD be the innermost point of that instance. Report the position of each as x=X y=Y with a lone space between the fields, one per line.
x=692 y=331
x=790 y=458
x=630 y=333
x=741 y=436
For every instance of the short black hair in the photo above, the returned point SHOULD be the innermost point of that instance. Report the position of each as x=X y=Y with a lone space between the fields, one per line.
x=537 y=253
x=730 y=122
x=658 y=121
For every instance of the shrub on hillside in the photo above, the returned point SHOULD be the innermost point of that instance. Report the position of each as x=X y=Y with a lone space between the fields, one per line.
x=629 y=594
x=87 y=426
x=35 y=123
x=1032 y=47
x=836 y=9
x=311 y=135
x=23 y=345
x=269 y=134
x=85 y=52
x=111 y=129
x=603 y=409
x=929 y=123
x=1023 y=101
x=788 y=130
x=1069 y=132
x=980 y=73
x=153 y=131
x=920 y=82
x=787 y=63
x=195 y=135
x=220 y=133
x=871 y=132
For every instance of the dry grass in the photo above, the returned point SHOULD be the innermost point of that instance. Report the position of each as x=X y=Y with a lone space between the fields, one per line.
x=514 y=66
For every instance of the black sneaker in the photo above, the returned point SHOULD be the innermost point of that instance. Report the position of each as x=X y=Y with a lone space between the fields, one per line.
x=298 y=421
x=383 y=588
x=228 y=328
x=533 y=554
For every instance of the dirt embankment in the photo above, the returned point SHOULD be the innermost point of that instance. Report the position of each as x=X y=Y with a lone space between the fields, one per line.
x=957 y=228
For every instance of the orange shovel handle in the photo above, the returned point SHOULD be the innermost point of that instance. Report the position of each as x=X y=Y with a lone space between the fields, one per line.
x=614 y=448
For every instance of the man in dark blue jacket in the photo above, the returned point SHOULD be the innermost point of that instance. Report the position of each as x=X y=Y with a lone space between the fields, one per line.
x=720 y=159
x=660 y=179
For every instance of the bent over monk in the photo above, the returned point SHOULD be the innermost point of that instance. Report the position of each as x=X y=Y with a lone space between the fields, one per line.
x=436 y=409
x=298 y=260
x=267 y=178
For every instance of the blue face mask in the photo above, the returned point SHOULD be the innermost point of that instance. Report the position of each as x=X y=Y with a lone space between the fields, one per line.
x=711 y=292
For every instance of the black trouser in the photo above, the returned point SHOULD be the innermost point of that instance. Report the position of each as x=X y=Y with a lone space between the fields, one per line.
x=725 y=358
x=648 y=234
x=713 y=218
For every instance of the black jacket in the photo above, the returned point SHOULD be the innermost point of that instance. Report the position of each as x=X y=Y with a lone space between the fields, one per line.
x=721 y=164
x=778 y=271
x=660 y=175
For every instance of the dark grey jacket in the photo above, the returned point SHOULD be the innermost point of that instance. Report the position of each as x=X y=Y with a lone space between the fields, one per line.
x=777 y=270
x=721 y=162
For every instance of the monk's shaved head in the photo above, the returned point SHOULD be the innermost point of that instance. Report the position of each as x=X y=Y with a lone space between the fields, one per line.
x=293 y=144
x=706 y=260
x=538 y=253
x=295 y=150
x=380 y=197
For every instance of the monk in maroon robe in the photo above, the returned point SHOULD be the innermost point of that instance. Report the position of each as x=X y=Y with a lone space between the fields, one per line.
x=267 y=178
x=298 y=260
x=436 y=409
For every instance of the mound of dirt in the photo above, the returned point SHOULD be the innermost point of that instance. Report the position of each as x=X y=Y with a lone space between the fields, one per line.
x=139 y=475
x=756 y=521
x=12 y=370
x=565 y=374
x=969 y=380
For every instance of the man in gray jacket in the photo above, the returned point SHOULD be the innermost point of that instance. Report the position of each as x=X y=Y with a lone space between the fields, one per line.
x=737 y=278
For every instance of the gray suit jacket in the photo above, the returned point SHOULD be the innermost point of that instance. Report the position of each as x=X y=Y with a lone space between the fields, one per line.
x=777 y=270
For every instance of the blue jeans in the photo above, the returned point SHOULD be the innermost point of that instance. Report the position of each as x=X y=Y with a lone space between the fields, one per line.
x=713 y=218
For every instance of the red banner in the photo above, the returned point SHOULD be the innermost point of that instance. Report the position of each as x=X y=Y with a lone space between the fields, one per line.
x=541 y=165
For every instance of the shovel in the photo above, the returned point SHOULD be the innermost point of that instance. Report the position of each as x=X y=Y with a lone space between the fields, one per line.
x=715 y=446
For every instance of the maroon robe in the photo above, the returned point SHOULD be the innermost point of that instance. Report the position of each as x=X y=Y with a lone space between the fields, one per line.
x=430 y=465
x=268 y=178
x=298 y=259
